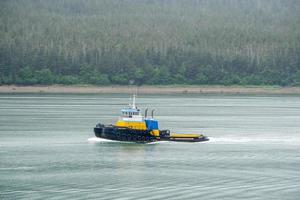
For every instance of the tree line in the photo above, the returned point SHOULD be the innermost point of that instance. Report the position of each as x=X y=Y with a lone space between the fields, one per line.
x=102 y=42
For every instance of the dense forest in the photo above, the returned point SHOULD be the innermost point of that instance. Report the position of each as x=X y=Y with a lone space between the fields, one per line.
x=101 y=42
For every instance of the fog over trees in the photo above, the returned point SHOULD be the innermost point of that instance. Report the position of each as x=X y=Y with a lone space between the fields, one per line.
x=244 y=42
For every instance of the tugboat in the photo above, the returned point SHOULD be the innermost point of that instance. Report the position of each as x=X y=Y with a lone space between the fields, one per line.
x=133 y=127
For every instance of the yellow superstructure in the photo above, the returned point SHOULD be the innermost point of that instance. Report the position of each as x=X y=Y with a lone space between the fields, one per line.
x=132 y=125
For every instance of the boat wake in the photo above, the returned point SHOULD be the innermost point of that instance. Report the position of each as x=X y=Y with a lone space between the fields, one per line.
x=218 y=140
x=222 y=140
x=96 y=139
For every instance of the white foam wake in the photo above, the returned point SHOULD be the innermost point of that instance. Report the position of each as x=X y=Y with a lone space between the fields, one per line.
x=96 y=139
x=221 y=140
x=227 y=140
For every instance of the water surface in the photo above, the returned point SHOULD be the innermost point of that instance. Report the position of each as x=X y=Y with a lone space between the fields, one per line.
x=48 y=150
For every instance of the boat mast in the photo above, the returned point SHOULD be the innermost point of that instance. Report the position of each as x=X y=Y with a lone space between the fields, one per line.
x=133 y=101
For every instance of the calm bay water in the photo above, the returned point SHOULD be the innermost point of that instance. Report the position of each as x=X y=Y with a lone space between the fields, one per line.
x=48 y=149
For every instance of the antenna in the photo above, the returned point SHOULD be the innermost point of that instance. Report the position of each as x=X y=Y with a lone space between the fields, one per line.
x=129 y=101
x=133 y=101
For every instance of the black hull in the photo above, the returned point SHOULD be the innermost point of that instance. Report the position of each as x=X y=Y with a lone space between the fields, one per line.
x=123 y=134
x=139 y=136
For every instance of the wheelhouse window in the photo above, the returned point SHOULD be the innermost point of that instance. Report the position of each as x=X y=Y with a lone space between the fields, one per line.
x=130 y=114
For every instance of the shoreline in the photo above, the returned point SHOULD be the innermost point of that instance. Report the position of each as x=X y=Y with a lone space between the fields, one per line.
x=172 y=89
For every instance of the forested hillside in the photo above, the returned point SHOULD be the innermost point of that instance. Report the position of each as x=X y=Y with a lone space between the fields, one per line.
x=150 y=42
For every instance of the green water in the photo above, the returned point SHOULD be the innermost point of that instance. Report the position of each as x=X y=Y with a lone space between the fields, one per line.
x=48 y=150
